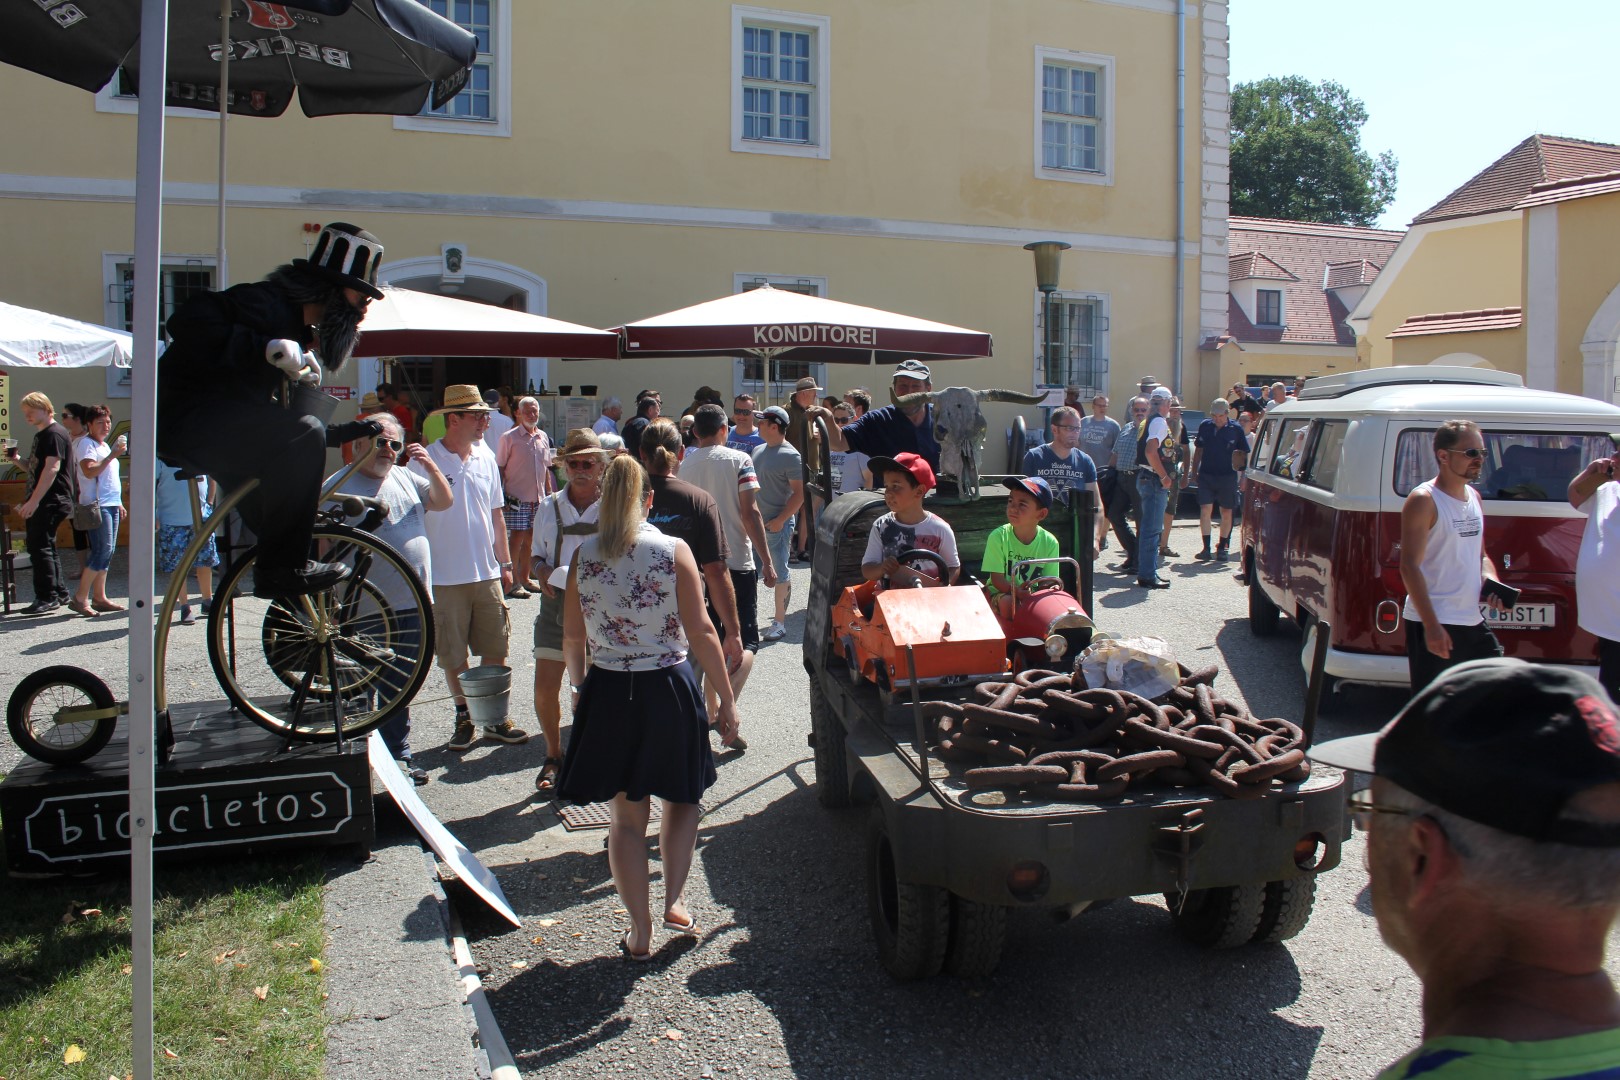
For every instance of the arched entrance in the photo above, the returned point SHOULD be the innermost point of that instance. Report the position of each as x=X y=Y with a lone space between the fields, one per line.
x=1600 y=351
x=483 y=280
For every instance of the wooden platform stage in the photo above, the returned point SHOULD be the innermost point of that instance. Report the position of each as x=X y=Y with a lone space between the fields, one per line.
x=230 y=787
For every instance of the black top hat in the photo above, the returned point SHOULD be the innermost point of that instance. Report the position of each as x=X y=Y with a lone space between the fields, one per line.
x=348 y=255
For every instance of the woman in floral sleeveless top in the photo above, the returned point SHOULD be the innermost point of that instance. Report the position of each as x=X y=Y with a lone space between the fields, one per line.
x=635 y=596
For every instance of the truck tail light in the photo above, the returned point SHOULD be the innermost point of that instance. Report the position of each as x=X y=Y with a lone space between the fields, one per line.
x=1387 y=617
x=1028 y=881
x=1308 y=851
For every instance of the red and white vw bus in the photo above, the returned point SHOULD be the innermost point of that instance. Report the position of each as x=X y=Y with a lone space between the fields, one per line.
x=1322 y=499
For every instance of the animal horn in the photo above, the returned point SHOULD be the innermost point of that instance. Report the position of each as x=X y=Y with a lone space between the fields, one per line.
x=1012 y=396
x=921 y=397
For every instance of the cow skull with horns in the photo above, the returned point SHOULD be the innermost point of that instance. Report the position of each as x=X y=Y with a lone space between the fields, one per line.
x=959 y=427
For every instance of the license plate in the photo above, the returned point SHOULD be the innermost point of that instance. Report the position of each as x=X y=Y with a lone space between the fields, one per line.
x=1521 y=616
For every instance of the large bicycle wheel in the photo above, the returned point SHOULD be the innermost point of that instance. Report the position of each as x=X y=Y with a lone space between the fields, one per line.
x=340 y=661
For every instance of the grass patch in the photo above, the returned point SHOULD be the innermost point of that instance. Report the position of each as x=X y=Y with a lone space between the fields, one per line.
x=225 y=933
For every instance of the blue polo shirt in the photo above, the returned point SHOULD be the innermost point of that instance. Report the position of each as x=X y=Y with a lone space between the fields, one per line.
x=887 y=431
x=1218 y=444
x=1063 y=474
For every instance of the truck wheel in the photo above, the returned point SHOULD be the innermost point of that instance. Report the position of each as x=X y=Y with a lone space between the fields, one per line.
x=1220 y=918
x=978 y=932
x=832 y=767
x=1263 y=614
x=911 y=923
x=1286 y=910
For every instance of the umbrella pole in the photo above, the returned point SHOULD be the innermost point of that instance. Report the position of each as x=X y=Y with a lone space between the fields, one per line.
x=224 y=112
x=143 y=419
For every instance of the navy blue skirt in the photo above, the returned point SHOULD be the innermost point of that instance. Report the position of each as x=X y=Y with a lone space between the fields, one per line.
x=638 y=733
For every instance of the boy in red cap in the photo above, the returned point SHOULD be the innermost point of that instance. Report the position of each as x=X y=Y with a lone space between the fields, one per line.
x=906 y=479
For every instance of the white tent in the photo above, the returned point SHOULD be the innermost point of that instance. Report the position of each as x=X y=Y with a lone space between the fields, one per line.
x=38 y=339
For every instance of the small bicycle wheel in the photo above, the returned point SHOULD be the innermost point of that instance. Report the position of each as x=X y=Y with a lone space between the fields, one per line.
x=335 y=662
x=34 y=715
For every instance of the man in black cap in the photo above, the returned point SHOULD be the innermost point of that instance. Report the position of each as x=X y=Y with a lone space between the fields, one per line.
x=1493 y=850
x=891 y=430
x=218 y=380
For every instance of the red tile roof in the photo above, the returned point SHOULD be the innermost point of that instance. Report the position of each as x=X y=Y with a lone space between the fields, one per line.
x=1254 y=264
x=1460 y=322
x=1355 y=272
x=1314 y=315
x=1537 y=160
x=1577 y=187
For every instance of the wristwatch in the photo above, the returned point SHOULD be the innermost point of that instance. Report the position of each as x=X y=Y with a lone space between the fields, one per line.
x=506 y=566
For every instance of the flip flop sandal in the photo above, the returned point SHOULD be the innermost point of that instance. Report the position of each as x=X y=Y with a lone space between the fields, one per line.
x=689 y=927
x=637 y=957
x=546 y=782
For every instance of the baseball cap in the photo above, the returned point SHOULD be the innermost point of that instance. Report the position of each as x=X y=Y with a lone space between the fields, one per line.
x=913 y=369
x=1500 y=742
x=1161 y=392
x=1219 y=405
x=775 y=412
x=915 y=464
x=1037 y=487
x=492 y=397
x=806 y=383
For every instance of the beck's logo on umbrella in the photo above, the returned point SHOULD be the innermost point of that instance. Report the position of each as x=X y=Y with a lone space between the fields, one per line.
x=268 y=16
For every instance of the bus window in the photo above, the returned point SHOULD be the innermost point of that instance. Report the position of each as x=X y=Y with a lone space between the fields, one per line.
x=1523 y=466
x=1322 y=467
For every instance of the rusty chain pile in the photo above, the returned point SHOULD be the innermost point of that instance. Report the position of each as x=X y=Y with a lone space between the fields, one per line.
x=1045 y=733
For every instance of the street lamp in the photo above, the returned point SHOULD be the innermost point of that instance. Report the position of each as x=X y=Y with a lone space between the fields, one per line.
x=1048 y=256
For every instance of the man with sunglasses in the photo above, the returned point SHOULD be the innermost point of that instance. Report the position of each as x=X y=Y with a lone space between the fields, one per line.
x=408 y=496
x=1493 y=853
x=1443 y=560
x=744 y=434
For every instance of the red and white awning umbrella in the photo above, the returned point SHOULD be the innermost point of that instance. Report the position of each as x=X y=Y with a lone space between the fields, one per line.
x=38 y=339
x=406 y=322
x=779 y=324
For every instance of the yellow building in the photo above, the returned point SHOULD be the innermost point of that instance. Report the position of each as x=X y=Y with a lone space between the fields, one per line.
x=610 y=161
x=1291 y=285
x=1459 y=288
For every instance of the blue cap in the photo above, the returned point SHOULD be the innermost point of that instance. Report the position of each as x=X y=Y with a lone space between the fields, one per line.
x=775 y=412
x=1038 y=489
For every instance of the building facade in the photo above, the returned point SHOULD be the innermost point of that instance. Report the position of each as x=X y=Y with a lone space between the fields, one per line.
x=611 y=161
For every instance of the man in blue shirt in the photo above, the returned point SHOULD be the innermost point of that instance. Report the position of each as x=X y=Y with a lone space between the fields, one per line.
x=891 y=430
x=1126 y=506
x=1061 y=462
x=1219 y=443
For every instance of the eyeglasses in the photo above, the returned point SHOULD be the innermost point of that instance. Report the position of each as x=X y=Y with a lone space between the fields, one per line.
x=581 y=463
x=1362 y=809
x=1473 y=453
x=746 y=409
x=1066 y=427
x=844 y=419
x=396 y=445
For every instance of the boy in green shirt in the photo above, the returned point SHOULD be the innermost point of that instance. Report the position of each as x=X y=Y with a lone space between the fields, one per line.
x=1028 y=503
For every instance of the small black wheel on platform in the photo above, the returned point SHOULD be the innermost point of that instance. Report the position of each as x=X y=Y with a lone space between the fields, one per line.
x=832 y=766
x=41 y=725
x=911 y=923
x=1219 y=918
x=336 y=662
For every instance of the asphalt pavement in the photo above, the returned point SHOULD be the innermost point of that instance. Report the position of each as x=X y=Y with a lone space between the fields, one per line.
x=785 y=981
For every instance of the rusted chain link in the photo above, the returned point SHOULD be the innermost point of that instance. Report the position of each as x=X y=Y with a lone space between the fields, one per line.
x=1048 y=734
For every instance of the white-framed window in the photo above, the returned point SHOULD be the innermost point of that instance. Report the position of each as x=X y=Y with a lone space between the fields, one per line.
x=779 y=77
x=1074 y=116
x=484 y=106
x=1268 y=308
x=184 y=276
x=749 y=373
x=1076 y=354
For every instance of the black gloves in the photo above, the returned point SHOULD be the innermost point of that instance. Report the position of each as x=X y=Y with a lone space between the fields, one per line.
x=338 y=434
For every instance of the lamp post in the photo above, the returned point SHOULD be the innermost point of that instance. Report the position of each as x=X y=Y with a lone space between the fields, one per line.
x=1048 y=256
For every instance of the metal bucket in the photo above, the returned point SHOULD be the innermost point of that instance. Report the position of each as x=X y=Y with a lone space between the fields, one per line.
x=488 y=690
x=312 y=401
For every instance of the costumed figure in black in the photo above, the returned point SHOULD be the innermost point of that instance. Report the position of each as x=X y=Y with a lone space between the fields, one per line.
x=218 y=387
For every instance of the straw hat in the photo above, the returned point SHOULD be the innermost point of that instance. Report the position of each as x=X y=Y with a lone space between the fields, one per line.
x=369 y=402
x=581 y=441
x=462 y=397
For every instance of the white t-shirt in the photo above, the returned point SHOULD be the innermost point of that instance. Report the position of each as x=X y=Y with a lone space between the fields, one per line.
x=403 y=492
x=102 y=490
x=725 y=473
x=499 y=424
x=1597 y=568
x=1452 y=560
x=463 y=537
x=555 y=510
x=890 y=537
x=847 y=464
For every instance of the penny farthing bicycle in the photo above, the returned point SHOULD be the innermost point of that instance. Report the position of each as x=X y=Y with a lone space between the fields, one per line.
x=325 y=667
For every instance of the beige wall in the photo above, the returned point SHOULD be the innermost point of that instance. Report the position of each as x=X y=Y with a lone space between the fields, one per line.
x=1452 y=267
x=1503 y=350
x=1588 y=236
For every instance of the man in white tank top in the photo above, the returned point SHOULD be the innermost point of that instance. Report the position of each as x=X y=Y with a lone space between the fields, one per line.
x=1443 y=560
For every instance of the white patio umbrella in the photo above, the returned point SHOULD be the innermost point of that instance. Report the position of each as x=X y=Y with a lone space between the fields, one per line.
x=39 y=339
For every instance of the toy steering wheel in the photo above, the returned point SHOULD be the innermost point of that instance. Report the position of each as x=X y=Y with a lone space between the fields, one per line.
x=1048 y=581
x=905 y=558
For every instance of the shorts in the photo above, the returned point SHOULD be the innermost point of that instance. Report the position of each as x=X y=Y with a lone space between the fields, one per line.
x=1219 y=491
x=548 y=628
x=520 y=516
x=745 y=583
x=172 y=543
x=470 y=617
x=778 y=546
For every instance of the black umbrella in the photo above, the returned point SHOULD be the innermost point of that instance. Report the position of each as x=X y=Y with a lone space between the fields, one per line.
x=338 y=56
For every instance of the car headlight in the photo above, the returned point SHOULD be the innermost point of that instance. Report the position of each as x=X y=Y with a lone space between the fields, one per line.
x=1056 y=646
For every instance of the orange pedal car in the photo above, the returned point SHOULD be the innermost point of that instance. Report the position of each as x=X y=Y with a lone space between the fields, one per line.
x=955 y=637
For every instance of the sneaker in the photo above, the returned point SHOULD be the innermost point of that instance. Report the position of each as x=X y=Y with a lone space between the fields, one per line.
x=418 y=776
x=205 y=607
x=1203 y=556
x=774 y=632
x=43 y=607
x=465 y=734
x=187 y=616
x=1224 y=554
x=1171 y=553
x=1126 y=567
x=506 y=732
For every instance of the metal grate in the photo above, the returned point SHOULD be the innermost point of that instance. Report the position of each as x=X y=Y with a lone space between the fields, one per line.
x=596 y=815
